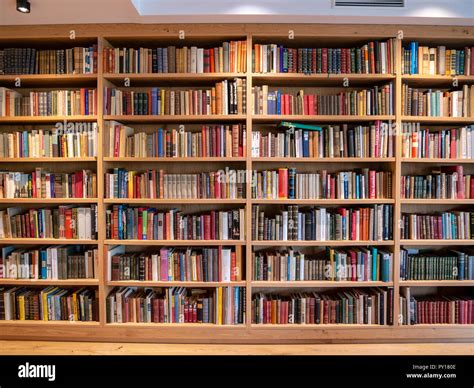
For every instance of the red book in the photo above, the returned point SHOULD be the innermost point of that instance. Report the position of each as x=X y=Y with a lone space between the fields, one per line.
x=156 y=310
x=140 y=225
x=311 y=105
x=283 y=183
x=78 y=184
x=472 y=189
x=68 y=223
x=213 y=226
x=324 y=69
x=372 y=184
x=353 y=256
x=459 y=172
x=233 y=267
x=207 y=227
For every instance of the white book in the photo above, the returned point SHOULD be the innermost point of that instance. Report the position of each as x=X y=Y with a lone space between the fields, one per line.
x=285 y=225
x=88 y=225
x=224 y=226
x=226 y=264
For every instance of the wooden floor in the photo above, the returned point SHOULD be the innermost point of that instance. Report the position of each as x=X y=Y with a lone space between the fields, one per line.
x=93 y=348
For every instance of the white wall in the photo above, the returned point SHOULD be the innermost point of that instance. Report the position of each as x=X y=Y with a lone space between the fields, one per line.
x=456 y=12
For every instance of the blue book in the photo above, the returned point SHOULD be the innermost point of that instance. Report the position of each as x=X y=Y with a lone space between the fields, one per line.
x=305 y=144
x=160 y=142
x=374 y=263
x=414 y=54
x=86 y=95
x=236 y=291
x=385 y=263
x=357 y=193
x=278 y=102
x=44 y=269
x=181 y=267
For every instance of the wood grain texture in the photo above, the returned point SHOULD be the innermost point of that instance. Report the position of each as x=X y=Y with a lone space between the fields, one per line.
x=12 y=348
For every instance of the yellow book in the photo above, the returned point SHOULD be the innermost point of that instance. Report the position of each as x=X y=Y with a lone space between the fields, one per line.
x=219 y=306
x=331 y=260
x=21 y=305
x=162 y=110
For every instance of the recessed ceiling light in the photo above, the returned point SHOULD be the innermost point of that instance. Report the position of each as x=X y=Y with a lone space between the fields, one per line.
x=23 y=6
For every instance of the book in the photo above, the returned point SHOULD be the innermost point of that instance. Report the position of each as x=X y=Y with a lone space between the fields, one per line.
x=222 y=184
x=358 y=184
x=63 y=222
x=173 y=264
x=145 y=223
x=351 y=264
x=82 y=101
x=229 y=57
x=49 y=304
x=77 y=140
x=44 y=184
x=55 y=262
x=372 y=223
x=360 y=102
x=220 y=306
x=372 y=57
x=204 y=141
x=450 y=143
x=334 y=141
x=226 y=97
x=27 y=60
x=369 y=306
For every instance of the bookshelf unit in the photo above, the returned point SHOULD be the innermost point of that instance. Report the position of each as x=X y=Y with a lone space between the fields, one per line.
x=130 y=35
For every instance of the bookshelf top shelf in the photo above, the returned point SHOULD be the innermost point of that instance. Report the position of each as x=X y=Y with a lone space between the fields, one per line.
x=144 y=119
x=439 y=120
x=170 y=79
x=426 y=80
x=49 y=80
x=436 y=283
x=299 y=79
x=319 y=119
x=317 y=284
x=45 y=119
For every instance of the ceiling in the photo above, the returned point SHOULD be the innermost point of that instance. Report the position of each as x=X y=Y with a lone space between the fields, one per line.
x=447 y=12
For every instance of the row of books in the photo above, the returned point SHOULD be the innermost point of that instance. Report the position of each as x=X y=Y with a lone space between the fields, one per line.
x=372 y=57
x=44 y=184
x=221 y=306
x=449 y=225
x=371 y=306
x=454 y=143
x=438 y=103
x=230 y=57
x=434 y=309
x=352 y=264
x=78 y=140
x=64 y=222
x=446 y=183
x=26 y=60
x=220 y=264
x=438 y=60
x=320 y=224
x=420 y=265
x=287 y=183
x=49 y=304
x=333 y=141
x=359 y=102
x=207 y=141
x=48 y=103
x=226 y=97
x=221 y=184
x=57 y=262
x=143 y=223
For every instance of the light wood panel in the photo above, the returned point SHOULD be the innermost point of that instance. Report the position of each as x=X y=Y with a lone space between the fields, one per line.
x=209 y=34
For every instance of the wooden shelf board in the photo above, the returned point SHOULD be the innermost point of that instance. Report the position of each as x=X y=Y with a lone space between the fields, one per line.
x=56 y=241
x=174 y=119
x=322 y=160
x=47 y=160
x=437 y=160
x=47 y=282
x=438 y=120
x=435 y=80
x=176 y=325
x=436 y=283
x=49 y=80
x=303 y=243
x=308 y=326
x=175 y=78
x=176 y=160
x=319 y=284
x=320 y=118
x=175 y=242
x=322 y=201
x=49 y=200
x=136 y=283
x=44 y=323
x=437 y=201
x=45 y=119
x=174 y=201
x=319 y=79
x=435 y=242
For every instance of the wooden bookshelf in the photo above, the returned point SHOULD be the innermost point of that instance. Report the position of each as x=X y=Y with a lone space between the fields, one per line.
x=306 y=35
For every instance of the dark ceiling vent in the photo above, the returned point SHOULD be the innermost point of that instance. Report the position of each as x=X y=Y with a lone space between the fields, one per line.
x=369 y=3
